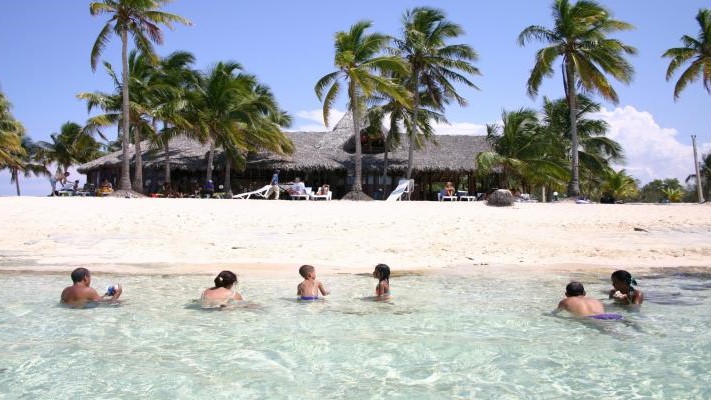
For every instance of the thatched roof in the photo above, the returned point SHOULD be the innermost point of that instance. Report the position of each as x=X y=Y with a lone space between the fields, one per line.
x=313 y=151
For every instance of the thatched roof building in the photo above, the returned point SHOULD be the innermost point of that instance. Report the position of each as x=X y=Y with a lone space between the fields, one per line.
x=326 y=154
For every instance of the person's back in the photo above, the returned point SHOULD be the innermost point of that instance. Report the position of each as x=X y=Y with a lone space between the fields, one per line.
x=310 y=288
x=222 y=293
x=578 y=304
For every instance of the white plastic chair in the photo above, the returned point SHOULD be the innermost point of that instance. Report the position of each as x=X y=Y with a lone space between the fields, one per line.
x=260 y=192
x=404 y=186
x=326 y=196
x=302 y=196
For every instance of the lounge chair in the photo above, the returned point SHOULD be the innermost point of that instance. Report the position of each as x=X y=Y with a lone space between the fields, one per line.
x=302 y=196
x=404 y=186
x=442 y=197
x=326 y=196
x=260 y=192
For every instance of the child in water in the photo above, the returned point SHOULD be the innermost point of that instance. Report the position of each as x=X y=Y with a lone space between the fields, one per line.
x=309 y=289
x=222 y=293
x=382 y=274
x=579 y=305
x=623 y=291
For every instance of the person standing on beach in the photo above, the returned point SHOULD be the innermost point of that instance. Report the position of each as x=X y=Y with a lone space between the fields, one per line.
x=81 y=293
x=61 y=178
x=275 y=186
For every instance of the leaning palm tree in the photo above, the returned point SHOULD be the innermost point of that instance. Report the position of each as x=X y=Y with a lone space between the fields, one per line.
x=359 y=63
x=696 y=51
x=72 y=145
x=434 y=64
x=579 y=37
x=140 y=19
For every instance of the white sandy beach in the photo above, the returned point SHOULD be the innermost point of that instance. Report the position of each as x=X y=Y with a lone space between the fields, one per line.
x=159 y=236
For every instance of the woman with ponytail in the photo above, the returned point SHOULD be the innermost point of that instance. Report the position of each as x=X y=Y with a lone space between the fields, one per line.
x=222 y=293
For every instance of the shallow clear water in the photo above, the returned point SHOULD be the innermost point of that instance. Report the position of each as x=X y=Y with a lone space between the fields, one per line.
x=441 y=336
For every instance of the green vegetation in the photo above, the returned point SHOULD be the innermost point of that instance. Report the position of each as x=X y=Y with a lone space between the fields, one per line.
x=696 y=52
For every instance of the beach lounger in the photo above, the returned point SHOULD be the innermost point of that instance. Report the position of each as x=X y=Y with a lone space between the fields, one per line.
x=405 y=186
x=260 y=193
x=326 y=196
x=304 y=196
x=441 y=197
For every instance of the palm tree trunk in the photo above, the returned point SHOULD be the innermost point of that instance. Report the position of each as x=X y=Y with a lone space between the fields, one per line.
x=357 y=183
x=166 y=151
x=574 y=185
x=210 y=159
x=138 y=173
x=413 y=128
x=15 y=177
x=125 y=183
x=228 y=168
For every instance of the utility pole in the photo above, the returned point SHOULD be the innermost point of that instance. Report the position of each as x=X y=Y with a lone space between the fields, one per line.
x=698 y=176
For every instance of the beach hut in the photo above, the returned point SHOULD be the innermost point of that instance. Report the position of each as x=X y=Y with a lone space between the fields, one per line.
x=318 y=158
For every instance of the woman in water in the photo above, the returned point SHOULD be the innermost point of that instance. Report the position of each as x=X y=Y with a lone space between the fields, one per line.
x=382 y=274
x=222 y=293
x=624 y=292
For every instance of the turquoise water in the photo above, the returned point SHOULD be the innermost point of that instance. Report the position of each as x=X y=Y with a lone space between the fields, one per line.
x=442 y=336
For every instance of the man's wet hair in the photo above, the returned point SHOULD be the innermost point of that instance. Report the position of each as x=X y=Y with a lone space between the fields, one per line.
x=574 y=289
x=305 y=269
x=79 y=274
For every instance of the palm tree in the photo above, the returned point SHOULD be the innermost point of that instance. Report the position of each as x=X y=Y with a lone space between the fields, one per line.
x=696 y=51
x=11 y=132
x=176 y=77
x=140 y=19
x=434 y=64
x=618 y=185
x=596 y=152
x=579 y=36
x=28 y=164
x=72 y=145
x=522 y=152
x=358 y=62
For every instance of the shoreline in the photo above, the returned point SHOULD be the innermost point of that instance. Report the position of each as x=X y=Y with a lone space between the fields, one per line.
x=195 y=236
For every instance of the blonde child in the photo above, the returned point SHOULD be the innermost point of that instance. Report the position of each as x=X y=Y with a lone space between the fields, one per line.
x=310 y=288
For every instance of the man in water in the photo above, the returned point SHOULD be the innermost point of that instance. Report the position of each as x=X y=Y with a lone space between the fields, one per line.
x=81 y=293
x=577 y=304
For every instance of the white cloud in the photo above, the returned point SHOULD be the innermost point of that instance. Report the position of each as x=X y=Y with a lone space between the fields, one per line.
x=317 y=117
x=652 y=152
x=460 y=128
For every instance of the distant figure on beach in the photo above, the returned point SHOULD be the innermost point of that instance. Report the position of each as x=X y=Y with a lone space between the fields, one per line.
x=310 y=288
x=209 y=189
x=297 y=187
x=576 y=303
x=382 y=274
x=323 y=190
x=59 y=177
x=624 y=292
x=555 y=196
x=275 y=185
x=449 y=189
x=81 y=293
x=222 y=293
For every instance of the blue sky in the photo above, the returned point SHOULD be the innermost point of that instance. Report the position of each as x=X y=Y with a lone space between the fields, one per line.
x=46 y=44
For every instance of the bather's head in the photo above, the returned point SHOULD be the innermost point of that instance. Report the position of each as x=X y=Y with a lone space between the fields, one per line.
x=622 y=279
x=574 y=289
x=80 y=274
x=306 y=270
x=225 y=279
x=382 y=272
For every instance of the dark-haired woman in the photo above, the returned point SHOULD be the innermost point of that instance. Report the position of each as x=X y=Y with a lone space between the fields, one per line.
x=222 y=293
x=624 y=292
